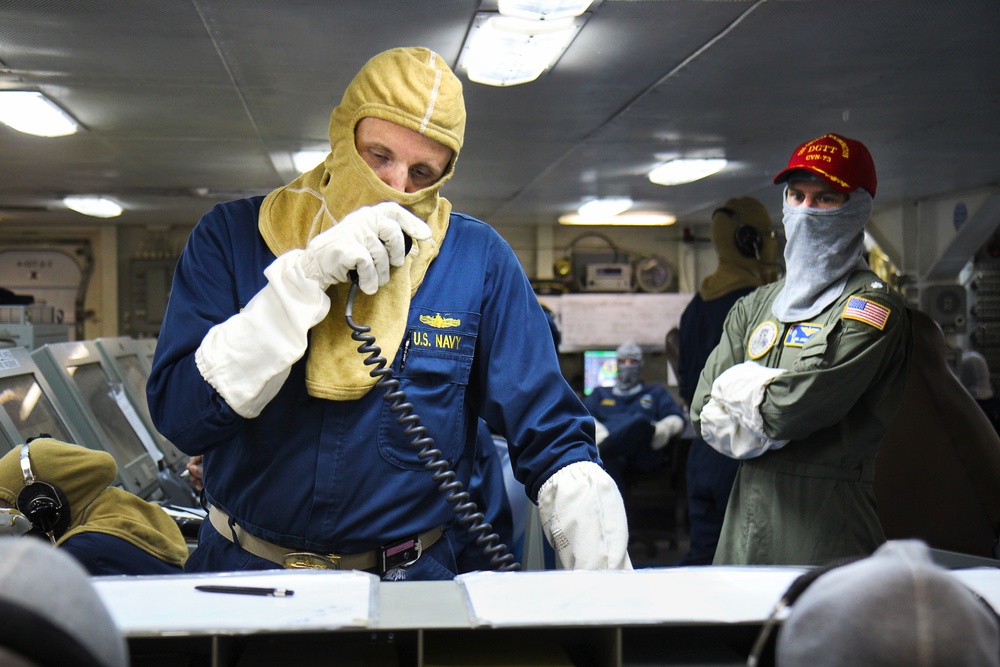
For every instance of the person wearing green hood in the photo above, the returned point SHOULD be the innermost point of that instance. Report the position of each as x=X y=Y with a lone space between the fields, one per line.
x=747 y=253
x=65 y=492
x=305 y=463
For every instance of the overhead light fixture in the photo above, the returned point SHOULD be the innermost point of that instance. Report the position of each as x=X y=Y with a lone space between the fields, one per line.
x=96 y=207
x=507 y=51
x=686 y=170
x=306 y=160
x=637 y=219
x=32 y=112
x=543 y=10
x=605 y=208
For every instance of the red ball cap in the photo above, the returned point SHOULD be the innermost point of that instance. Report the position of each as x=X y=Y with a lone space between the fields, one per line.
x=843 y=163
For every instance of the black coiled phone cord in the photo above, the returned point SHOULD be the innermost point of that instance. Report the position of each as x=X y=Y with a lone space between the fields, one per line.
x=462 y=504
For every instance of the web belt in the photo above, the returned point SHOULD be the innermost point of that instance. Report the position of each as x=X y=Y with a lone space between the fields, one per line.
x=401 y=553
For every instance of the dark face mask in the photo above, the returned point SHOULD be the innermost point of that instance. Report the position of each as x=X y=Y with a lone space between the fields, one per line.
x=628 y=375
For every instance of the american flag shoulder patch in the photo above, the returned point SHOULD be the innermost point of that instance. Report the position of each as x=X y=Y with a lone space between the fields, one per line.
x=869 y=312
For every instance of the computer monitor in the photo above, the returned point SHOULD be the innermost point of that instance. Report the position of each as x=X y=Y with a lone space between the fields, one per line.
x=124 y=358
x=97 y=405
x=600 y=368
x=28 y=410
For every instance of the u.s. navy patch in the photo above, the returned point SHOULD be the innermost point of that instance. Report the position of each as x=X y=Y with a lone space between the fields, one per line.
x=800 y=333
x=762 y=339
x=869 y=312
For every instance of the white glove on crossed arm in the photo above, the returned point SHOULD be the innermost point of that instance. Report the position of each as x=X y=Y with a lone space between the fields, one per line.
x=583 y=517
x=731 y=421
x=665 y=429
x=368 y=240
x=247 y=358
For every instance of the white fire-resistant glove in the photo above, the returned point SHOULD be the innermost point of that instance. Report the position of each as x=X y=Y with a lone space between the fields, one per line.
x=731 y=422
x=665 y=429
x=601 y=431
x=583 y=517
x=247 y=358
x=367 y=240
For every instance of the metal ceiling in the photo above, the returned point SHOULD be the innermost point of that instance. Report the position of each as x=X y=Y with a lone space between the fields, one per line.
x=187 y=102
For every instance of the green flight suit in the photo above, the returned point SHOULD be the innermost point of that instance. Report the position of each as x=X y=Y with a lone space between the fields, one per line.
x=813 y=500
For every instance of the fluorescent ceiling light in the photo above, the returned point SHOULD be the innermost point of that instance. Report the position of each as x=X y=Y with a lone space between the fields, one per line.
x=624 y=219
x=31 y=112
x=305 y=160
x=96 y=207
x=504 y=51
x=540 y=10
x=605 y=208
x=684 y=170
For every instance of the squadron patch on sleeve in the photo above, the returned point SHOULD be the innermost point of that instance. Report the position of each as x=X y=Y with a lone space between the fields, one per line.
x=762 y=339
x=866 y=311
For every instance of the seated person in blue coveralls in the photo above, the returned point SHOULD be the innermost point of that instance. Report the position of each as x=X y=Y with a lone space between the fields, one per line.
x=306 y=464
x=64 y=491
x=635 y=420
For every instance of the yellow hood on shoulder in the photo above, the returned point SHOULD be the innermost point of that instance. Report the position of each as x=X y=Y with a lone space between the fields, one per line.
x=412 y=87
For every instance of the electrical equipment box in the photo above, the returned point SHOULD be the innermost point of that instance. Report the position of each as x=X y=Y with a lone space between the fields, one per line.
x=608 y=277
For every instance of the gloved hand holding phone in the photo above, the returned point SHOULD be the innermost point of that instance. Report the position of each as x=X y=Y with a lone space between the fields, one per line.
x=369 y=240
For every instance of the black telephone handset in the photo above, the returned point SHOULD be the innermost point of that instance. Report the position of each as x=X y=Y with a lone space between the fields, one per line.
x=407 y=244
x=462 y=504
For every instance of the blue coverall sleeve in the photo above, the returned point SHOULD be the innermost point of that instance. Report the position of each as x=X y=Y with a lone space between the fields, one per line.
x=206 y=290
x=523 y=394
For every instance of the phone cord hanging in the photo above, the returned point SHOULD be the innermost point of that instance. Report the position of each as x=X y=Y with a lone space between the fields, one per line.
x=462 y=504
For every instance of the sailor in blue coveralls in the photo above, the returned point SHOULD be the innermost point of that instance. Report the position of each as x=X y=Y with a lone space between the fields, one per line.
x=305 y=463
x=635 y=420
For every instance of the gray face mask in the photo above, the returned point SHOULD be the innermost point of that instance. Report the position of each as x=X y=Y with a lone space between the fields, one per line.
x=628 y=376
x=825 y=245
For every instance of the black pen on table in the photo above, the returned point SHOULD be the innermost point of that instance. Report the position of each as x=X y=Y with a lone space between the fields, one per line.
x=247 y=590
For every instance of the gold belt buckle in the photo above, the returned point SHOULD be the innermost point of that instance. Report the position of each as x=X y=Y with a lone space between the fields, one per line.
x=302 y=560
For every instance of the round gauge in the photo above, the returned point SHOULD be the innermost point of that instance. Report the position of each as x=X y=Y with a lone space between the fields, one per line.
x=653 y=274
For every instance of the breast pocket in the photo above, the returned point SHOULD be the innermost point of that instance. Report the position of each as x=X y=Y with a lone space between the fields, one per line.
x=434 y=384
x=813 y=354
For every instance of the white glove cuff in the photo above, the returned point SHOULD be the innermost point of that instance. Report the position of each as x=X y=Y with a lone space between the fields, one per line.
x=583 y=517
x=247 y=358
x=731 y=422
x=741 y=389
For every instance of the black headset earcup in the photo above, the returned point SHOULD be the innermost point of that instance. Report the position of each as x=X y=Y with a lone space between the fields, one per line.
x=45 y=506
x=748 y=241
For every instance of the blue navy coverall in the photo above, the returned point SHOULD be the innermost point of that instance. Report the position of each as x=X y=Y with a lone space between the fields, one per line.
x=340 y=476
x=629 y=420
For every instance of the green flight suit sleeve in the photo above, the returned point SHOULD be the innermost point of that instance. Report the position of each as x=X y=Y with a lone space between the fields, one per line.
x=833 y=372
